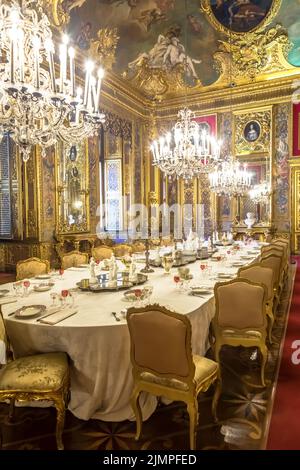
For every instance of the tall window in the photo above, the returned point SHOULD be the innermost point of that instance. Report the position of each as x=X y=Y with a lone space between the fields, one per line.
x=111 y=183
x=113 y=195
x=5 y=189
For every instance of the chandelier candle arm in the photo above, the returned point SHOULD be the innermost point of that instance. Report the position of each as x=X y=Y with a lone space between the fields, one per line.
x=36 y=108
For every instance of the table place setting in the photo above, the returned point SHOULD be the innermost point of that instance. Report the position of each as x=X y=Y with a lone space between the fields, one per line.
x=57 y=315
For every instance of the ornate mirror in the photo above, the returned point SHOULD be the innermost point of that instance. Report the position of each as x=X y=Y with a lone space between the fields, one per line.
x=72 y=188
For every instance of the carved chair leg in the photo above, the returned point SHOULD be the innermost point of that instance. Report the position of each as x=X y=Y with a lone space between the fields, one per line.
x=270 y=328
x=137 y=411
x=192 y=408
x=264 y=352
x=217 y=394
x=60 y=421
x=11 y=413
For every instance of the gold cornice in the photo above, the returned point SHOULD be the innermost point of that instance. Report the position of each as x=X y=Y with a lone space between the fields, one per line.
x=250 y=95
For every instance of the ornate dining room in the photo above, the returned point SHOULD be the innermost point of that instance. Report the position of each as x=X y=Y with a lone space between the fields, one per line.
x=149 y=225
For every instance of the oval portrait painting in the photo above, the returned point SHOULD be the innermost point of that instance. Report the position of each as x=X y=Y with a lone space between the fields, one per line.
x=252 y=131
x=241 y=16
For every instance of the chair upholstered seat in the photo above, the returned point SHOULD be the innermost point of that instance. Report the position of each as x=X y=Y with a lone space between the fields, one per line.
x=204 y=369
x=41 y=372
x=246 y=334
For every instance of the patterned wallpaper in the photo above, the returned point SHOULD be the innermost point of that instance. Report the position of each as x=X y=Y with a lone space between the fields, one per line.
x=48 y=195
x=281 y=167
x=225 y=133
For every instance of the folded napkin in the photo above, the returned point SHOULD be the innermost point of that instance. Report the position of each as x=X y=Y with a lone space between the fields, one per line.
x=58 y=316
x=7 y=300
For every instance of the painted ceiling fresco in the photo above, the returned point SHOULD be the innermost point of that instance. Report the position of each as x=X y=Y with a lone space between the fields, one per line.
x=160 y=29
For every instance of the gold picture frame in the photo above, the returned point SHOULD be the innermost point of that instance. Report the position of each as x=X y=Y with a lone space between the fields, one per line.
x=252 y=132
x=206 y=7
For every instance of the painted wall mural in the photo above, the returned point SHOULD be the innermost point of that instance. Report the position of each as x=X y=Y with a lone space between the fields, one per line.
x=240 y=15
x=155 y=29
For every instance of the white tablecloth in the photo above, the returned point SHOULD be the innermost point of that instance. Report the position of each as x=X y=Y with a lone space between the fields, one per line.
x=99 y=347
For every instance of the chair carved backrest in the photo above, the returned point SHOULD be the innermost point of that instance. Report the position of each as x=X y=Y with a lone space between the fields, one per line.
x=138 y=247
x=260 y=275
x=73 y=259
x=284 y=244
x=101 y=252
x=122 y=250
x=240 y=305
x=282 y=240
x=31 y=267
x=274 y=262
x=169 y=353
x=274 y=250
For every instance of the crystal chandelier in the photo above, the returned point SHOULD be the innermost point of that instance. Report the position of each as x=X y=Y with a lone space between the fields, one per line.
x=260 y=193
x=186 y=151
x=36 y=107
x=230 y=178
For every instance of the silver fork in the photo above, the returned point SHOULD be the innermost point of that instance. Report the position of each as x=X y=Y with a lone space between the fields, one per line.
x=115 y=315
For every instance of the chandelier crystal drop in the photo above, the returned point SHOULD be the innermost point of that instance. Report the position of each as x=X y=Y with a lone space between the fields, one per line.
x=36 y=107
x=260 y=193
x=186 y=151
x=230 y=178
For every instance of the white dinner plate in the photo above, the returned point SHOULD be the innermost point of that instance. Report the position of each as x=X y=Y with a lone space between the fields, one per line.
x=30 y=311
x=201 y=291
x=43 y=276
x=224 y=276
x=42 y=288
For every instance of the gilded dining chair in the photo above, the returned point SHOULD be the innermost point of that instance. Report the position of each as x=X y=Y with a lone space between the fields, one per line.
x=286 y=246
x=240 y=318
x=262 y=275
x=41 y=377
x=278 y=251
x=122 y=250
x=31 y=267
x=274 y=262
x=163 y=363
x=73 y=259
x=99 y=253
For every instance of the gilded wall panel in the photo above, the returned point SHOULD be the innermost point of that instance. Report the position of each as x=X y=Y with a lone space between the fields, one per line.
x=94 y=180
x=47 y=215
x=281 y=168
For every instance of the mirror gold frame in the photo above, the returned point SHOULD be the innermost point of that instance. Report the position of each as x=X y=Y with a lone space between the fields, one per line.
x=72 y=188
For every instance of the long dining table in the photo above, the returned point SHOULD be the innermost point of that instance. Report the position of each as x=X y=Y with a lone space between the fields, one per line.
x=99 y=345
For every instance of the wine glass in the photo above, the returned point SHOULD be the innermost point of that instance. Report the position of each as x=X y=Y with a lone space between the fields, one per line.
x=54 y=297
x=138 y=296
x=61 y=273
x=64 y=294
x=72 y=296
x=17 y=288
x=26 y=285
x=148 y=291
x=176 y=280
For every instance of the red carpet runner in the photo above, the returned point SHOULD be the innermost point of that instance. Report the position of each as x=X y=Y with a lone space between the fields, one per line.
x=285 y=423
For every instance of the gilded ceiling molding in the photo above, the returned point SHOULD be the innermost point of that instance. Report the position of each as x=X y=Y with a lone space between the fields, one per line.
x=155 y=83
x=103 y=49
x=58 y=11
x=254 y=56
x=206 y=7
